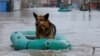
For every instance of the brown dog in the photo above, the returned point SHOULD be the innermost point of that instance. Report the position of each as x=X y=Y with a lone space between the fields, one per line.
x=44 y=28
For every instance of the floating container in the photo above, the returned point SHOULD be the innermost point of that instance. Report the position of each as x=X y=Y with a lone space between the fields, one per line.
x=26 y=40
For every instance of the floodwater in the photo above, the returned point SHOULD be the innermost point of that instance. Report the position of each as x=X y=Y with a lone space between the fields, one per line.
x=81 y=30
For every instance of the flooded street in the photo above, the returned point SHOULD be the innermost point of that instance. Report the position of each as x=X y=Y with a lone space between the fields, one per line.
x=81 y=30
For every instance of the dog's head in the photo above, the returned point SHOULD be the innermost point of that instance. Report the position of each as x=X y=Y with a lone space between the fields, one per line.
x=41 y=21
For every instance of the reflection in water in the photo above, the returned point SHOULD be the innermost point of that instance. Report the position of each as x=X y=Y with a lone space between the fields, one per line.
x=6 y=14
x=2 y=14
x=90 y=16
x=73 y=15
x=84 y=16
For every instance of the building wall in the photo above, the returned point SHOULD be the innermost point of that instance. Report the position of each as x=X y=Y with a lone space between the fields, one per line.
x=17 y=4
x=24 y=4
x=32 y=3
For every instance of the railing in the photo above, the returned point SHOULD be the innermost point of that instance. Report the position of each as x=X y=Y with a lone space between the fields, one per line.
x=92 y=47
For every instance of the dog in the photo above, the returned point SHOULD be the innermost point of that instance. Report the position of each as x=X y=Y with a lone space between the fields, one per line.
x=44 y=28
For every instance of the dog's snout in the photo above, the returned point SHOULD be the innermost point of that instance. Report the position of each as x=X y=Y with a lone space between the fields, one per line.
x=39 y=23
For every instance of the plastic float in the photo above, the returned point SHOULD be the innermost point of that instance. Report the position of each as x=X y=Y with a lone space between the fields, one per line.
x=26 y=40
x=63 y=8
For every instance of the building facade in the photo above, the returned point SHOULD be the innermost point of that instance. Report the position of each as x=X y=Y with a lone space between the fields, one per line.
x=94 y=4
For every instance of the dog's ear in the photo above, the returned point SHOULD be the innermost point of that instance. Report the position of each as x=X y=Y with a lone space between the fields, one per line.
x=46 y=16
x=35 y=15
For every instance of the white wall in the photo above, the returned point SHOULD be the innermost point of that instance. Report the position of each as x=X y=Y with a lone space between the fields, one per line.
x=17 y=4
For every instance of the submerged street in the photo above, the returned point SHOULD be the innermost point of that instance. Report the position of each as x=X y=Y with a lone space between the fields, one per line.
x=82 y=30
